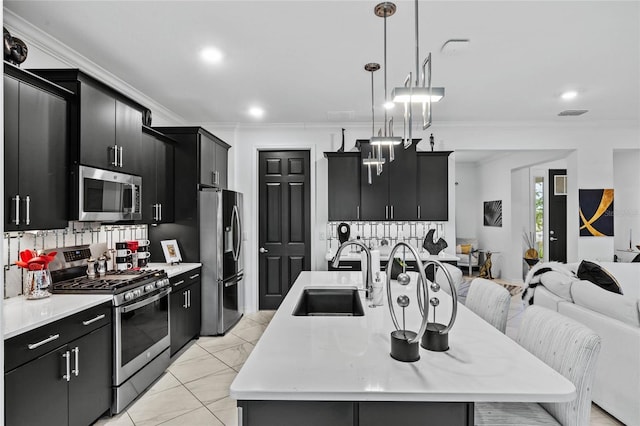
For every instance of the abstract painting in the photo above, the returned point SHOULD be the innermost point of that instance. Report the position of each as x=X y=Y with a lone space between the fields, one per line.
x=493 y=213
x=596 y=212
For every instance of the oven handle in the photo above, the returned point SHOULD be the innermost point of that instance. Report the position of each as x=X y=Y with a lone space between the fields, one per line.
x=128 y=308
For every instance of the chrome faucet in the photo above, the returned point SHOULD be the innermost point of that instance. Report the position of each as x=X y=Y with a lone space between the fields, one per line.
x=366 y=275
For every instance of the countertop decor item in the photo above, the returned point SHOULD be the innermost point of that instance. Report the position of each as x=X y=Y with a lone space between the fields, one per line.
x=344 y=232
x=15 y=50
x=404 y=343
x=431 y=246
x=36 y=279
x=171 y=251
x=341 y=149
x=436 y=336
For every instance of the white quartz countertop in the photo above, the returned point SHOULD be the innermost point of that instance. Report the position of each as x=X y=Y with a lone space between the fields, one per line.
x=347 y=358
x=20 y=315
x=173 y=270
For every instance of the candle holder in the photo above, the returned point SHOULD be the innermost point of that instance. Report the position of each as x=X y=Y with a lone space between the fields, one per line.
x=405 y=343
x=436 y=336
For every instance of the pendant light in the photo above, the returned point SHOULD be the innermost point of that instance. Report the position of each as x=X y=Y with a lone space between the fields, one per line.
x=384 y=10
x=420 y=92
x=378 y=160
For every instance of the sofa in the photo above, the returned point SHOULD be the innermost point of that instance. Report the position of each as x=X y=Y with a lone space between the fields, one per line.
x=616 y=318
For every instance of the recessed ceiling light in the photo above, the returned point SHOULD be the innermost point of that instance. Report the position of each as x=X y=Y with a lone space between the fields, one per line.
x=571 y=94
x=256 y=112
x=211 y=55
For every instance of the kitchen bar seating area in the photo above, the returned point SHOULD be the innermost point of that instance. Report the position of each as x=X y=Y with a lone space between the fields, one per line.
x=282 y=213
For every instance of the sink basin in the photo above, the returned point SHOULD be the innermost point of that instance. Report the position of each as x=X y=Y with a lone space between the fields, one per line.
x=328 y=302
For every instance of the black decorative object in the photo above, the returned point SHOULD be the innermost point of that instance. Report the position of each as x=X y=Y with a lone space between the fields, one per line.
x=344 y=231
x=397 y=267
x=436 y=336
x=405 y=343
x=431 y=142
x=341 y=149
x=493 y=213
x=430 y=246
x=146 y=117
x=15 y=50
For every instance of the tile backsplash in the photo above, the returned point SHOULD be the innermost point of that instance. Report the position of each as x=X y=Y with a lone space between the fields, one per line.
x=373 y=233
x=77 y=233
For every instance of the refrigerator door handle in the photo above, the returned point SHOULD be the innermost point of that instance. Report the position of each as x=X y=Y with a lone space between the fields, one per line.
x=235 y=215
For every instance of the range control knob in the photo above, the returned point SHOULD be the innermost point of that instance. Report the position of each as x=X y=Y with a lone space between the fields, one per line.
x=149 y=287
x=137 y=292
x=128 y=296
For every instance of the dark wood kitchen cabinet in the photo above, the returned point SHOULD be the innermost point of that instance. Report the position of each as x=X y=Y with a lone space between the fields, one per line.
x=105 y=125
x=35 y=152
x=433 y=185
x=203 y=150
x=343 y=185
x=392 y=194
x=157 y=173
x=60 y=373
x=184 y=305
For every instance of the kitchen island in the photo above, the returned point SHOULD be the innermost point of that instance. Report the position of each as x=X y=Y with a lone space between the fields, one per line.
x=338 y=371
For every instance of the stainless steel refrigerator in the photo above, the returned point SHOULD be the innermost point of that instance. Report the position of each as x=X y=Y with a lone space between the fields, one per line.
x=220 y=216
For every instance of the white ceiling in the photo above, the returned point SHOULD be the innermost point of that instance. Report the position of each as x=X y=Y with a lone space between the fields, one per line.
x=303 y=60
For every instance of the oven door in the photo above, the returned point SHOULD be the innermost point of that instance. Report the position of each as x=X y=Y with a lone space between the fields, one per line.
x=109 y=196
x=141 y=334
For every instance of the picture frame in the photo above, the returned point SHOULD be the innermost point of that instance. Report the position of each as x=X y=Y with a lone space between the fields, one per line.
x=493 y=213
x=171 y=251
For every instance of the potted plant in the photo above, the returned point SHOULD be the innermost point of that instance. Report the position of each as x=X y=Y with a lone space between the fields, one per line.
x=531 y=254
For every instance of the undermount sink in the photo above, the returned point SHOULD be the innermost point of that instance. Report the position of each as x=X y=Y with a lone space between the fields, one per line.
x=327 y=302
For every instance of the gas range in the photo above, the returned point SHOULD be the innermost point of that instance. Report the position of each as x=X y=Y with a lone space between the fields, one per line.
x=125 y=286
x=69 y=277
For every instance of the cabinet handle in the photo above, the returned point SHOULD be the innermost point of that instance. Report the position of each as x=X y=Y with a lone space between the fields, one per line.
x=213 y=177
x=386 y=212
x=17 y=200
x=391 y=212
x=121 y=154
x=155 y=212
x=28 y=202
x=178 y=283
x=76 y=371
x=92 y=320
x=194 y=276
x=344 y=267
x=51 y=338
x=67 y=357
x=358 y=212
x=160 y=208
x=186 y=303
x=115 y=156
x=418 y=212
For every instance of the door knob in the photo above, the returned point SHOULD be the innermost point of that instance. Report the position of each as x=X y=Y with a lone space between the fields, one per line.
x=263 y=250
x=553 y=239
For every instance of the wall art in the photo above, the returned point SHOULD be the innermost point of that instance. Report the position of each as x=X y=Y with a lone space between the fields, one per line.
x=493 y=213
x=596 y=212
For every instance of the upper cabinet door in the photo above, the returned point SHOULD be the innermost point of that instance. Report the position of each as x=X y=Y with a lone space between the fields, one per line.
x=374 y=196
x=344 y=186
x=43 y=159
x=402 y=183
x=127 y=137
x=97 y=128
x=433 y=185
x=207 y=160
x=221 y=155
x=11 y=152
x=148 y=174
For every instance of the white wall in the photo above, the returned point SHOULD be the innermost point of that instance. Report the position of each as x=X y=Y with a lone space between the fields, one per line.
x=626 y=182
x=466 y=192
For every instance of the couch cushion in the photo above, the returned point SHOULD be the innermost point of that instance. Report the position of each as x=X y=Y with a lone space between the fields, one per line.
x=617 y=306
x=627 y=275
x=558 y=283
x=599 y=276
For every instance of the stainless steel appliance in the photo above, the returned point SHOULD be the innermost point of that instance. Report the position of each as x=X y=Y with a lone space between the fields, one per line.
x=108 y=196
x=220 y=214
x=141 y=319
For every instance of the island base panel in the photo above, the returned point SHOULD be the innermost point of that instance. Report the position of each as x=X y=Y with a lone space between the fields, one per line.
x=350 y=413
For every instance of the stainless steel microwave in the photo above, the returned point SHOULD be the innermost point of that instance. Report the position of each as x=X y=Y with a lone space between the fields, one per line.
x=108 y=196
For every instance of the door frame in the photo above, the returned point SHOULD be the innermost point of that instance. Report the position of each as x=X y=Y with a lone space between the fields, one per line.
x=253 y=302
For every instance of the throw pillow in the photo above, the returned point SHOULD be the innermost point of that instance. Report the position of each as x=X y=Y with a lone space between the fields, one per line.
x=599 y=276
x=465 y=248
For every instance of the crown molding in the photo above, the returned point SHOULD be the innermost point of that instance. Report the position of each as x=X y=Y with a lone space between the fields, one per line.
x=53 y=47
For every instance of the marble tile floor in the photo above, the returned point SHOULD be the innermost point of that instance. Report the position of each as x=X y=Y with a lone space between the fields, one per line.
x=195 y=389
